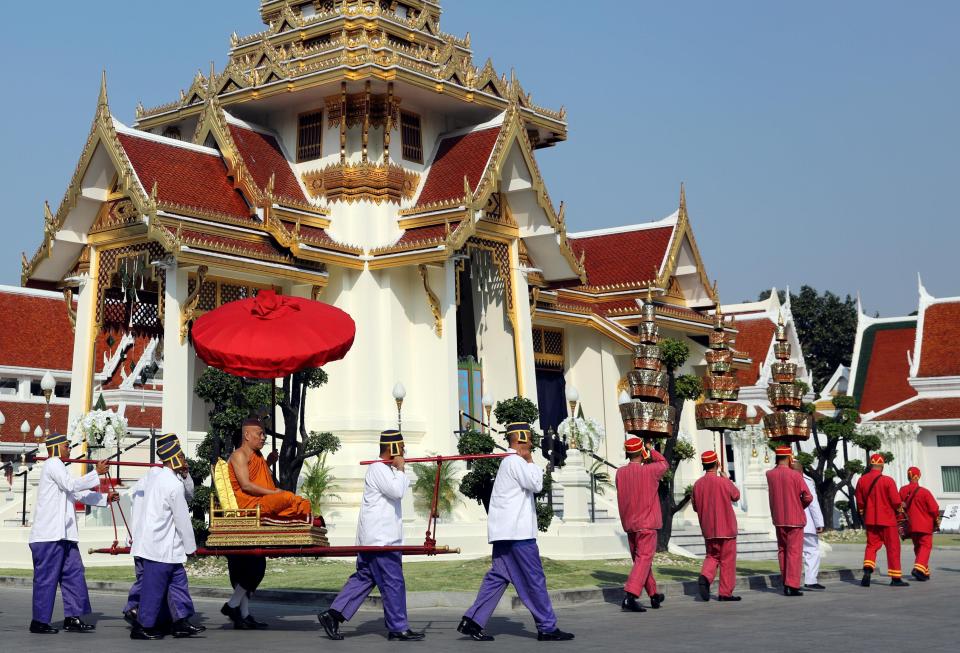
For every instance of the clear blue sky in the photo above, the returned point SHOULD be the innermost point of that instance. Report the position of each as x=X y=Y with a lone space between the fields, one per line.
x=818 y=140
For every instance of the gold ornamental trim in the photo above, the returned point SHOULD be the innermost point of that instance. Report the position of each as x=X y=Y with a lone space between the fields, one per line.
x=354 y=182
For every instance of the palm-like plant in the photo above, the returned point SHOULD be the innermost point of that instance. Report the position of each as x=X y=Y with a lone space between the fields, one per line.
x=447 y=498
x=318 y=483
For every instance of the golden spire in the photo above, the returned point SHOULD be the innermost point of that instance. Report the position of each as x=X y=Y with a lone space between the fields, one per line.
x=780 y=318
x=683 y=202
x=102 y=101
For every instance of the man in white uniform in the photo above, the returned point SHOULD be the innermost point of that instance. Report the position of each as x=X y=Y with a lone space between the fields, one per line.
x=512 y=529
x=54 y=537
x=136 y=498
x=163 y=540
x=811 y=535
x=381 y=524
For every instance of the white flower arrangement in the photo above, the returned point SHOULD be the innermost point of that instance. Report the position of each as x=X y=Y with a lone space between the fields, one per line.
x=99 y=428
x=582 y=433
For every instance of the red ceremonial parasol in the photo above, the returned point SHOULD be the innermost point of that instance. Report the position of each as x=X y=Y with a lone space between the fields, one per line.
x=270 y=336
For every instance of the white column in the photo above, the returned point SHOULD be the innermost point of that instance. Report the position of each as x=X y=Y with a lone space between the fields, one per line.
x=575 y=480
x=84 y=367
x=177 y=357
x=754 y=489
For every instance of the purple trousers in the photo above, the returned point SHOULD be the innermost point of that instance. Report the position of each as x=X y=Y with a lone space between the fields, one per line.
x=133 y=598
x=164 y=594
x=385 y=571
x=58 y=563
x=517 y=562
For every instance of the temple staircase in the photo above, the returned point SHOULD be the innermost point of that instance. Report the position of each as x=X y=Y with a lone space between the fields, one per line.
x=751 y=545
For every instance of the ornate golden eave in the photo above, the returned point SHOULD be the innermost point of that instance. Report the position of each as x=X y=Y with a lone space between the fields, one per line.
x=102 y=131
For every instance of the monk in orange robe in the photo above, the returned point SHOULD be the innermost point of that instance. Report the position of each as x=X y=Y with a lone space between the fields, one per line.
x=252 y=482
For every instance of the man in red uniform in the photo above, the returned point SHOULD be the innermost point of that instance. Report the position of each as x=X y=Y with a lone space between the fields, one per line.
x=923 y=513
x=639 y=505
x=788 y=497
x=713 y=497
x=878 y=502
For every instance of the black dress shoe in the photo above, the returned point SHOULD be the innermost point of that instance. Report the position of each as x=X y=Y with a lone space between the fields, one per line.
x=331 y=625
x=149 y=634
x=473 y=630
x=233 y=614
x=406 y=636
x=814 y=586
x=554 y=636
x=183 y=628
x=253 y=624
x=657 y=599
x=899 y=582
x=130 y=616
x=919 y=575
x=728 y=598
x=76 y=625
x=791 y=591
x=630 y=604
x=40 y=628
x=703 y=586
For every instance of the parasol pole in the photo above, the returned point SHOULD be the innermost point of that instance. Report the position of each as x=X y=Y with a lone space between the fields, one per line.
x=273 y=418
x=723 y=452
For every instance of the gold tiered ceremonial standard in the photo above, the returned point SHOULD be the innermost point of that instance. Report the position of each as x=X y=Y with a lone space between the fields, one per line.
x=648 y=413
x=720 y=412
x=788 y=423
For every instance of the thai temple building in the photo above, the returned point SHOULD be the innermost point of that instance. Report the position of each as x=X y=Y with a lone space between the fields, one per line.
x=905 y=375
x=354 y=153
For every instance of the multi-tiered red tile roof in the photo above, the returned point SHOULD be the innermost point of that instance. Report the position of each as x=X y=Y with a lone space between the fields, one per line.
x=940 y=340
x=35 y=331
x=458 y=156
x=884 y=380
x=623 y=255
x=263 y=157
x=185 y=175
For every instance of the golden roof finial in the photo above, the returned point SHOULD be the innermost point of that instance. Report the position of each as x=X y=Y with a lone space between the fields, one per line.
x=683 y=201
x=650 y=293
x=780 y=318
x=211 y=89
x=102 y=101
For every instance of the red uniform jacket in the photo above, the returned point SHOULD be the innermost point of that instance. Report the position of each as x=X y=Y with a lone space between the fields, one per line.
x=789 y=495
x=637 y=493
x=883 y=503
x=713 y=498
x=923 y=510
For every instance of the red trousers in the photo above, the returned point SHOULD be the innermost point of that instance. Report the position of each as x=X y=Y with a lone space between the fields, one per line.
x=643 y=544
x=922 y=545
x=790 y=554
x=722 y=554
x=886 y=536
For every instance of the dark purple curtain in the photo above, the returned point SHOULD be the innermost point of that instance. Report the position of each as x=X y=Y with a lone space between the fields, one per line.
x=551 y=399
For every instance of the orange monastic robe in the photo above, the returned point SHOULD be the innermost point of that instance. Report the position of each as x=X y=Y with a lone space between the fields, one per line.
x=283 y=505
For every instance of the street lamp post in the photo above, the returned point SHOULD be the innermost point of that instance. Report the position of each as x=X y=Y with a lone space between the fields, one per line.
x=399 y=393
x=48 y=384
x=24 y=468
x=487 y=401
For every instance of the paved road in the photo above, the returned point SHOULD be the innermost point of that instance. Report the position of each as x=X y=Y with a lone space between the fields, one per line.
x=845 y=617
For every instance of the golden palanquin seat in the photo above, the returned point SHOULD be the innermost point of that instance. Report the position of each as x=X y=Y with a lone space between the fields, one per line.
x=232 y=526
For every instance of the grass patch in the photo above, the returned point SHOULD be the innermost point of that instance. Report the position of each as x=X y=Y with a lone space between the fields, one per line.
x=438 y=575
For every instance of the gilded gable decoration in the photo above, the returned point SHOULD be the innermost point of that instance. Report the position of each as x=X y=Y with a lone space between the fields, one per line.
x=354 y=182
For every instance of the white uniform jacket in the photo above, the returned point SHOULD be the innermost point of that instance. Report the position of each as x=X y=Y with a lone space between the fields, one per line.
x=164 y=532
x=54 y=514
x=381 y=517
x=513 y=514
x=814 y=514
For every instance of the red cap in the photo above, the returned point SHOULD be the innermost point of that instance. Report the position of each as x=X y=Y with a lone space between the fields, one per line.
x=633 y=445
x=783 y=450
x=877 y=459
x=913 y=472
x=708 y=457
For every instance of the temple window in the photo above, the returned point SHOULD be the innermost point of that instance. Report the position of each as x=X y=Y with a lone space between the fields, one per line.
x=9 y=386
x=948 y=440
x=173 y=132
x=216 y=291
x=951 y=478
x=411 y=137
x=548 y=347
x=309 y=136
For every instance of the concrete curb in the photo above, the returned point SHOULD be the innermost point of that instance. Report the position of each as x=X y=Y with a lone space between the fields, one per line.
x=461 y=600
